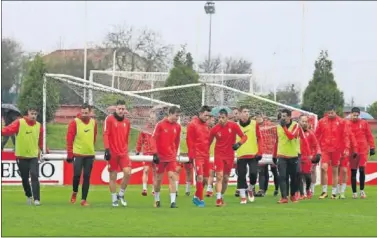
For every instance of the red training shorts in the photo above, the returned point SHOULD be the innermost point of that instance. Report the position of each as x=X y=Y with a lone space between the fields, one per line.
x=186 y=165
x=333 y=157
x=170 y=166
x=117 y=162
x=223 y=165
x=306 y=166
x=202 y=168
x=344 y=162
x=359 y=161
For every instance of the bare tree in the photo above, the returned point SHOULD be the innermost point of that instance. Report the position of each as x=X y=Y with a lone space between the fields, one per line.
x=237 y=66
x=212 y=66
x=138 y=49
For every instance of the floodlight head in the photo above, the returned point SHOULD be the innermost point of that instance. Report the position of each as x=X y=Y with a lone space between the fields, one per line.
x=209 y=7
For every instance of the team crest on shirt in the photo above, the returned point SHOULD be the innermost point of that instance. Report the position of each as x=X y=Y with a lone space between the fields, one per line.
x=166 y=130
x=175 y=131
x=230 y=130
x=219 y=134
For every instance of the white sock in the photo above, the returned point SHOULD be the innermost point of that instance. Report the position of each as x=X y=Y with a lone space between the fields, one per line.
x=114 y=197
x=176 y=185
x=312 y=187
x=333 y=190
x=188 y=186
x=121 y=192
x=157 y=196
x=242 y=193
x=222 y=196
x=251 y=187
x=218 y=196
x=209 y=188
x=172 y=197
x=344 y=186
x=144 y=186
x=338 y=189
x=324 y=188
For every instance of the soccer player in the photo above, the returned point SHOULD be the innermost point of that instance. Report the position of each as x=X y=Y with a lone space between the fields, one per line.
x=365 y=143
x=225 y=133
x=249 y=154
x=81 y=138
x=29 y=140
x=334 y=141
x=166 y=137
x=235 y=116
x=198 y=151
x=286 y=155
x=145 y=145
x=309 y=155
x=209 y=193
x=116 y=131
x=9 y=117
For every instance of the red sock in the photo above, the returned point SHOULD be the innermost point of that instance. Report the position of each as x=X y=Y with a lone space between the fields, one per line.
x=199 y=190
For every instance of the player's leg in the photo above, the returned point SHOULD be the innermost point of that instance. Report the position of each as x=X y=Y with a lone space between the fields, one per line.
x=154 y=176
x=188 y=170
x=308 y=182
x=262 y=180
x=324 y=178
x=241 y=179
x=228 y=165
x=34 y=177
x=219 y=168
x=292 y=168
x=199 y=170
x=301 y=185
x=178 y=172
x=77 y=169
x=343 y=169
x=24 y=169
x=362 y=163
x=253 y=172
x=159 y=170
x=88 y=165
x=145 y=179
x=314 y=178
x=125 y=165
x=209 y=192
x=282 y=168
x=335 y=161
x=113 y=167
x=274 y=171
x=237 y=191
x=172 y=175
x=266 y=179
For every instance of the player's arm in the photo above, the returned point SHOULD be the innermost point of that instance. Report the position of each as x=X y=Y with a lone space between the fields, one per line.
x=155 y=137
x=95 y=131
x=178 y=138
x=315 y=143
x=370 y=139
x=318 y=131
x=40 y=142
x=11 y=129
x=305 y=140
x=190 y=140
x=346 y=137
x=291 y=135
x=240 y=133
x=212 y=134
x=139 y=142
x=260 y=140
x=71 y=134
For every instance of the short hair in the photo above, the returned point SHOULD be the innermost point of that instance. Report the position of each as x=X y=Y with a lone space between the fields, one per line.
x=279 y=116
x=205 y=108
x=355 y=109
x=236 y=109
x=32 y=108
x=331 y=108
x=286 y=111
x=86 y=106
x=173 y=110
x=223 y=111
x=243 y=107
x=121 y=102
x=302 y=115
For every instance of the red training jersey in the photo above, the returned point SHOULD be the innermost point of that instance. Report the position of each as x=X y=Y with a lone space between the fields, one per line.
x=115 y=135
x=167 y=137
x=225 y=138
x=363 y=137
x=311 y=148
x=198 y=139
x=145 y=144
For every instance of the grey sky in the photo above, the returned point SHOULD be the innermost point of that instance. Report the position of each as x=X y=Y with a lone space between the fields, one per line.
x=253 y=30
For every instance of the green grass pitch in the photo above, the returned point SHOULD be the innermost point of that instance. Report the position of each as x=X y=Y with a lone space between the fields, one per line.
x=57 y=217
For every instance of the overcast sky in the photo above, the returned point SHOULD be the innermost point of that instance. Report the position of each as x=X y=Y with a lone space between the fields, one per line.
x=253 y=30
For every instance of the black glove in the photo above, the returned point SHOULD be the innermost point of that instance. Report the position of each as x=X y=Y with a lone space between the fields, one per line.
x=275 y=160
x=236 y=146
x=258 y=157
x=69 y=160
x=107 y=154
x=354 y=155
x=372 y=152
x=156 y=160
x=317 y=159
x=137 y=153
x=283 y=123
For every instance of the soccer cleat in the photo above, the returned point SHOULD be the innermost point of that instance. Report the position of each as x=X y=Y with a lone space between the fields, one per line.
x=157 y=204
x=201 y=204
x=219 y=202
x=302 y=197
x=297 y=195
x=73 y=198
x=237 y=193
x=309 y=194
x=354 y=195
x=37 y=203
x=115 y=204
x=260 y=193
x=283 y=200
x=294 y=199
x=209 y=194
x=323 y=195
x=144 y=192
x=173 y=205
x=187 y=194
x=276 y=192
x=333 y=196
x=196 y=201
x=122 y=200
x=362 y=194
x=250 y=195
x=84 y=203
x=243 y=201
x=29 y=201
x=342 y=196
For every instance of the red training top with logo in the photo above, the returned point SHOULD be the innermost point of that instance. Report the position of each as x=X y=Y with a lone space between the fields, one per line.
x=166 y=137
x=115 y=135
x=145 y=144
x=309 y=152
x=198 y=139
x=363 y=135
x=225 y=138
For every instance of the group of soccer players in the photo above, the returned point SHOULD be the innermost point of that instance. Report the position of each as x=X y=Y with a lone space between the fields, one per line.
x=297 y=150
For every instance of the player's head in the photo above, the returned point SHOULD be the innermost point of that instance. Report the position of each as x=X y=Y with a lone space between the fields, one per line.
x=211 y=121
x=259 y=119
x=244 y=114
x=331 y=113
x=286 y=115
x=85 y=111
x=32 y=113
x=120 y=108
x=223 y=116
x=204 y=113
x=355 y=113
x=236 y=114
x=173 y=114
x=303 y=121
x=279 y=116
